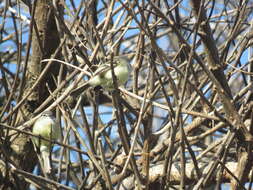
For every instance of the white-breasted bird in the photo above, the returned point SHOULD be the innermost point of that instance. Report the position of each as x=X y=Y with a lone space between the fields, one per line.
x=46 y=127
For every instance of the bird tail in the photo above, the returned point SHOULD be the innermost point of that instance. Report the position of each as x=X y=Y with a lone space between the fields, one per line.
x=46 y=161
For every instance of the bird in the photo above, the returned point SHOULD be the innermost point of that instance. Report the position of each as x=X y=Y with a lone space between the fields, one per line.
x=46 y=127
x=103 y=75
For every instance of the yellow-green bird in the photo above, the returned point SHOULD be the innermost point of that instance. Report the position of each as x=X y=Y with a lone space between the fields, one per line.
x=46 y=127
x=103 y=75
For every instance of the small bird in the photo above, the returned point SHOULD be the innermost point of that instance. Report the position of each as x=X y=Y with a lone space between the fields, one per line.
x=46 y=127
x=103 y=75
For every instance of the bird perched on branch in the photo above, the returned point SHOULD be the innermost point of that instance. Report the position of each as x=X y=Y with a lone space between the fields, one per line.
x=46 y=127
x=103 y=75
